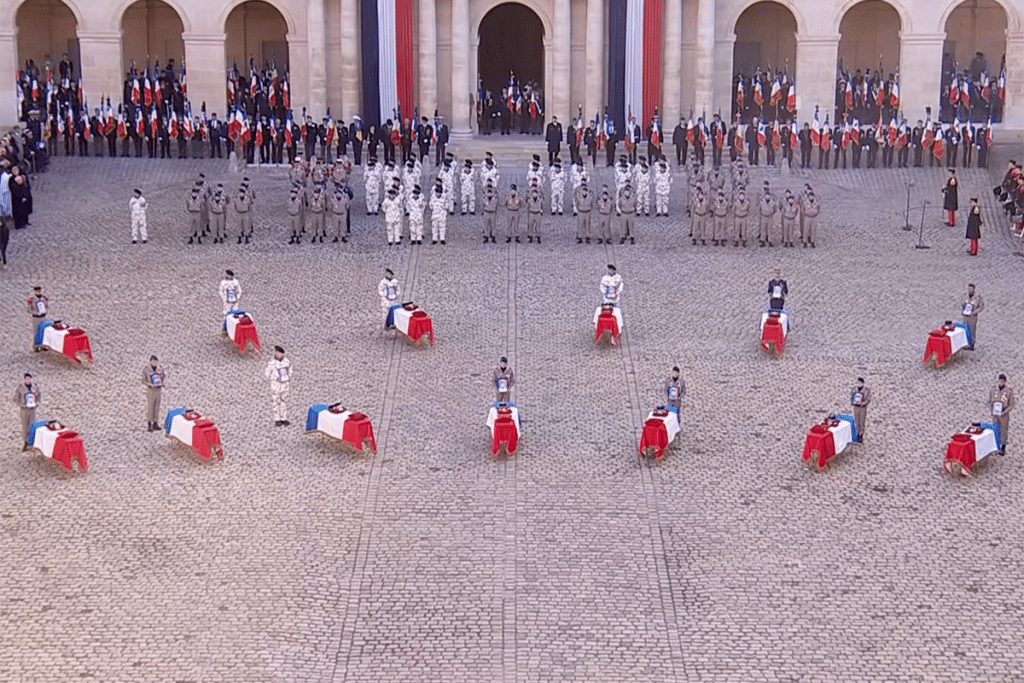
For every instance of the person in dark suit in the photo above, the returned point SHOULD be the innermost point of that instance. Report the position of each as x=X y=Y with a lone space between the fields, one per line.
x=916 y=138
x=355 y=136
x=424 y=134
x=679 y=140
x=441 y=145
x=717 y=132
x=553 y=136
x=753 y=148
x=214 y=131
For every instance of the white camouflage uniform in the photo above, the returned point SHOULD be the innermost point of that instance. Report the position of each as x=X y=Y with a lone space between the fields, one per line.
x=578 y=175
x=392 y=206
x=662 y=184
x=557 y=176
x=438 y=216
x=414 y=207
x=372 y=176
x=642 y=183
x=468 y=190
x=623 y=174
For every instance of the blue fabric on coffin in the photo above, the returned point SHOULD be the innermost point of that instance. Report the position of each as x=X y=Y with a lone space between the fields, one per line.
x=995 y=428
x=40 y=329
x=853 y=425
x=313 y=416
x=38 y=424
x=180 y=410
x=390 y=320
x=963 y=326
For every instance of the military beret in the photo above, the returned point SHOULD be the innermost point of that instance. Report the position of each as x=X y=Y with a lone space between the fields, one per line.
x=278 y=349
x=1002 y=376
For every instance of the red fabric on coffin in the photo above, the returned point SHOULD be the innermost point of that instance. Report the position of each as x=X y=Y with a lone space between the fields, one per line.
x=772 y=333
x=69 y=448
x=505 y=432
x=606 y=322
x=655 y=435
x=206 y=439
x=245 y=332
x=961 y=449
x=358 y=429
x=819 y=440
x=76 y=341
x=419 y=325
x=939 y=346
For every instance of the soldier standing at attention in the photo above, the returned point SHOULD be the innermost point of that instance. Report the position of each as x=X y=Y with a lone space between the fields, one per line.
x=642 y=180
x=583 y=202
x=390 y=292
x=438 y=214
x=699 y=212
x=279 y=372
x=153 y=378
x=372 y=176
x=38 y=308
x=393 y=216
x=295 y=201
x=950 y=198
x=810 y=208
x=513 y=202
x=317 y=209
x=467 y=189
x=504 y=378
x=675 y=390
x=1001 y=402
x=137 y=208
x=557 y=178
x=194 y=206
x=27 y=397
x=720 y=210
x=243 y=209
x=860 y=397
x=973 y=305
x=230 y=291
x=627 y=202
x=415 y=205
x=339 y=213
x=605 y=204
x=578 y=175
x=534 y=210
x=490 y=210
x=662 y=185
x=740 y=211
x=218 y=206
x=766 y=210
x=777 y=292
x=790 y=213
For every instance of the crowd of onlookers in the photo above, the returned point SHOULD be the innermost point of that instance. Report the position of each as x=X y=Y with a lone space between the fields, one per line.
x=16 y=155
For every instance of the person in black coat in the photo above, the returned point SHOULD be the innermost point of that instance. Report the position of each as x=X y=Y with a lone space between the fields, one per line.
x=441 y=145
x=21 y=200
x=983 y=146
x=950 y=200
x=916 y=138
x=753 y=148
x=679 y=140
x=553 y=136
x=356 y=136
x=424 y=135
x=973 y=226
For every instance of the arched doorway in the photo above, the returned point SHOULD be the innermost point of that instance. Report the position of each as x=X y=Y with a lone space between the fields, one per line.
x=869 y=61
x=151 y=32
x=975 y=50
x=512 y=46
x=765 y=44
x=47 y=31
x=258 y=31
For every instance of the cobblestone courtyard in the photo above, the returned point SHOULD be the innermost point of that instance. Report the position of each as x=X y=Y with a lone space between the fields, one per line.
x=292 y=561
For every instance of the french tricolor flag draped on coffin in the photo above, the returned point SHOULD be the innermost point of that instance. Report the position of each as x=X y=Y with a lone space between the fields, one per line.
x=386 y=39
x=635 y=34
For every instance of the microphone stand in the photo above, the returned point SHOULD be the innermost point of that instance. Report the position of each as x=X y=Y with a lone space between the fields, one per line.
x=920 y=234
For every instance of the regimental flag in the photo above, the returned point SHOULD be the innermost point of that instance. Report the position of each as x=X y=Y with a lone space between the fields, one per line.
x=847 y=135
x=791 y=97
x=81 y=97
x=182 y=81
x=929 y=134
x=479 y=97
x=702 y=132
x=939 y=144
x=235 y=126
x=273 y=129
x=510 y=98
x=286 y=98
x=880 y=93
x=136 y=92
x=154 y=122
x=254 y=81
x=893 y=131
x=147 y=90
x=894 y=93
x=794 y=135
x=776 y=91
x=758 y=95
x=1002 y=82
x=111 y=124
x=776 y=136
x=231 y=90
x=630 y=132
x=173 y=128
x=904 y=135
x=302 y=126
x=656 y=130
x=690 y=129
x=815 y=129
x=848 y=92
x=245 y=133
x=35 y=90
x=954 y=89
x=288 y=123
x=720 y=134
x=965 y=92
x=969 y=132
x=189 y=125
x=855 y=132
x=608 y=130
x=738 y=141
x=259 y=134
x=331 y=129
x=740 y=95
x=986 y=87
x=86 y=133
x=826 y=135
x=988 y=130
x=122 y=127
x=761 y=133
x=579 y=128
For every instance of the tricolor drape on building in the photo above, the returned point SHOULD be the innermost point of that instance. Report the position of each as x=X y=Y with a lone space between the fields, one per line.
x=386 y=39
x=634 y=60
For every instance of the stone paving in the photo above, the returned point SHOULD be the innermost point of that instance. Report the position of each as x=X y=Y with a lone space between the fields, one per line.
x=292 y=561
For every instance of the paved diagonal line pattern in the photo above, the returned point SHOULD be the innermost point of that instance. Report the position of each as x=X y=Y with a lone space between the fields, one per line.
x=294 y=561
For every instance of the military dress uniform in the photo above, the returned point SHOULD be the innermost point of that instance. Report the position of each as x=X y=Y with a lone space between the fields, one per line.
x=860 y=397
x=230 y=292
x=972 y=306
x=513 y=202
x=534 y=211
x=1001 y=402
x=504 y=378
x=490 y=206
x=296 y=199
x=279 y=372
x=27 y=397
x=38 y=308
x=583 y=203
x=578 y=176
x=390 y=292
x=154 y=378
x=675 y=391
x=628 y=206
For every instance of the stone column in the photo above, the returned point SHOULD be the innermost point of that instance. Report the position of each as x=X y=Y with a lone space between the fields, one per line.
x=816 y=75
x=459 y=115
x=428 y=57
x=207 y=74
x=317 y=56
x=721 y=92
x=920 y=73
x=101 y=65
x=704 y=58
x=350 y=59
x=9 y=60
x=1013 y=108
x=596 y=59
x=556 y=91
x=298 y=67
x=671 y=75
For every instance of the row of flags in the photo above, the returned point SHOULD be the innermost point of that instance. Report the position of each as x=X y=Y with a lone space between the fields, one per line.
x=779 y=85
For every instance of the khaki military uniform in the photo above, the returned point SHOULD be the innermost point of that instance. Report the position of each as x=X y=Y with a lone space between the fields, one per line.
x=1001 y=402
x=583 y=202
